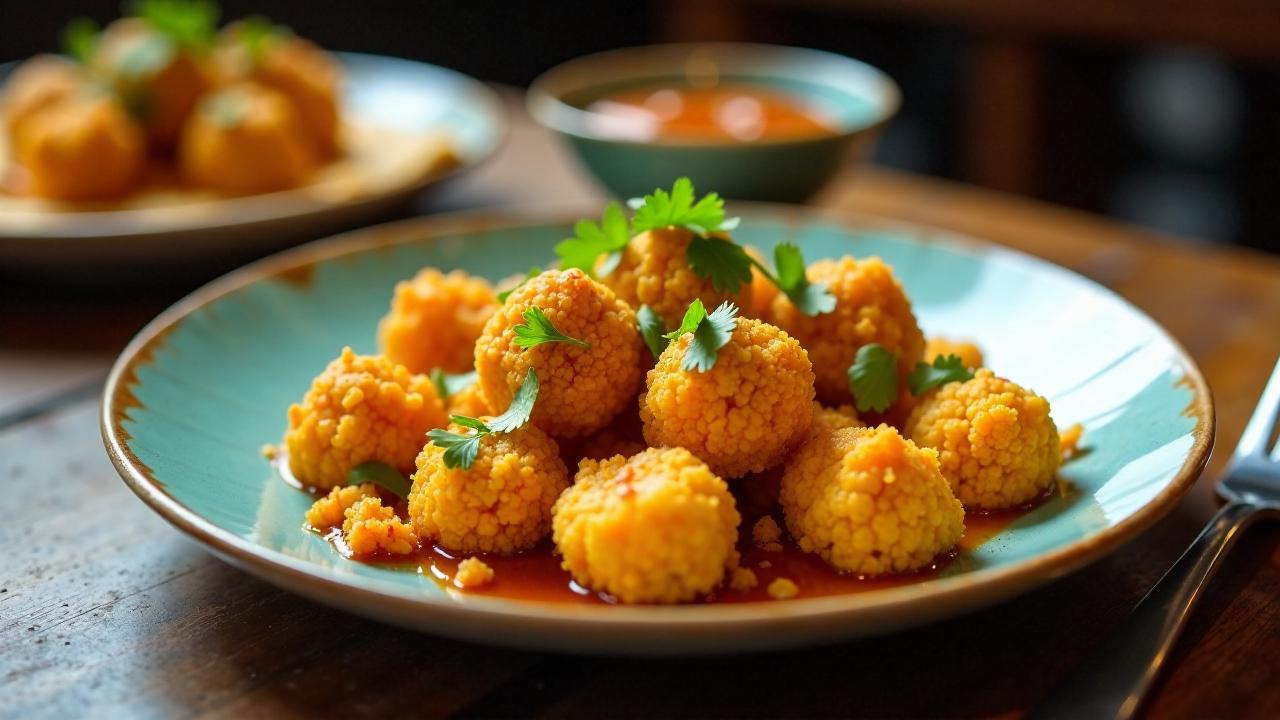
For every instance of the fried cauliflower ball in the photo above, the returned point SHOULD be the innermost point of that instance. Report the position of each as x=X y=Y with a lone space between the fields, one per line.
x=35 y=85
x=368 y=528
x=160 y=80
x=244 y=140
x=300 y=70
x=581 y=388
x=435 y=320
x=654 y=271
x=997 y=445
x=871 y=307
x=969 y=353
x=763 y=291
x=746 y=413
x=659 y=527
x=82 y=147
x=469 y=401
x=359 y=409
x=827 y=419
x=501 y=505
x=869 y=501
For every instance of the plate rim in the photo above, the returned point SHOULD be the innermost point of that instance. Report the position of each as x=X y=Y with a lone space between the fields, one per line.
x=259 y=208
x=961 y=592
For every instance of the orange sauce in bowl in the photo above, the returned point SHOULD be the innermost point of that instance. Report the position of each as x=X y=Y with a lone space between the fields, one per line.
x=722 y=114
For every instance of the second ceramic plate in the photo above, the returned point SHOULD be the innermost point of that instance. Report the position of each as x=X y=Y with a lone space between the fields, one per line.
x=193 y=399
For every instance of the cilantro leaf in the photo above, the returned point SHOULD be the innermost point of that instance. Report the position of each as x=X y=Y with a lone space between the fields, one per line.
x=188 y=23
x=459 y=450
x=470 y=422
x=255 y=33
x=651 y=328
x=590 y=241
x=379 y=473
x=537 y=329
x=692 y=316
x=721 y=261
x=809 y=298
x=450 y=384
x=533 y=272
x=710 y=333
x=80 y=39
x=926 y=377
x=873 y=378
x=678 y=209
x=521 y=406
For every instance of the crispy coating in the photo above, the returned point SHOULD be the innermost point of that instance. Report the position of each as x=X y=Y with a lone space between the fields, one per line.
x=371 y=529
x=473 y=573
x=35 y=85
x=162 y=94
x=828 y=419
x=871 y=307
x=654 y=271
x=331 y=509
x=659 y=527
x=81 y=147
x=969 y=353
x=361 y=408
x=243 y=139
x=581 y=389
x=762 y=290
x=435 y=320
x=869 y=501
x=501 y=505
x=743 y=415
x=766 y=534
x=996 y=442
x=469 y=401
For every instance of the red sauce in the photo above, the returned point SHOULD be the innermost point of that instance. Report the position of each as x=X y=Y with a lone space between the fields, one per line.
x=733 y=113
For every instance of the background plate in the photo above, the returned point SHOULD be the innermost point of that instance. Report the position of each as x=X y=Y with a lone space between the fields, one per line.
x=194 y=397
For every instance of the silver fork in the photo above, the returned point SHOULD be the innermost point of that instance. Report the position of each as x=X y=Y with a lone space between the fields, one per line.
x=1113 y=682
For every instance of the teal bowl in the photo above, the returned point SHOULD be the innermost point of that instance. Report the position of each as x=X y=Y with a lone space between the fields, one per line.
x=857 y=97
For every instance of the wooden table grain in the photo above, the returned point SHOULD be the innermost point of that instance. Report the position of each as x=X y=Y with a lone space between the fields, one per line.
x=106 y=611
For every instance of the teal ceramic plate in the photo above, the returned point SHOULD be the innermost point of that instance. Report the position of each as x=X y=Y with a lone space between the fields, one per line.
x=194 y=397
x=401 y=114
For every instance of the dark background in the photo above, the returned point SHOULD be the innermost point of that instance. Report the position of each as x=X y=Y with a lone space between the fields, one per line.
x=1161 y=113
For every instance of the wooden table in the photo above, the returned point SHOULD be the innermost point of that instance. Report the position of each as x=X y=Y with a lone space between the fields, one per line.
x=105 y=610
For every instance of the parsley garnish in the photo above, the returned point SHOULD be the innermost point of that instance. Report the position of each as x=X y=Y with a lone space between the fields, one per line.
x=450 y=384
x=809 y=298
x=710 y=333
x=460 y=449
x=873 y=378
x=590 y=241
x=533 y=272
x=80 y=39
x=721 y=261
x=537 y=329
x=188 y=23
x=379 y=473
x=677 y=209
x=946 y=369
x=651 y=328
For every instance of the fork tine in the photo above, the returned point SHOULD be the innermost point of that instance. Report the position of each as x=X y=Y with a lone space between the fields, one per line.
x=1258 y=432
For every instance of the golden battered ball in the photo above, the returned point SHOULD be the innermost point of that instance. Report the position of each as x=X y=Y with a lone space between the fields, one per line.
x=869 y=501
x=502 y=504
x=659 y=527
x=82 y=147
x=996 y=442
x=35 y=85
x=360 y=409
x=245 y=139
x=746 y=413
x=871 y=307
x=435 y=320
x=581 y=388
x=970 y=354
x=654 y=271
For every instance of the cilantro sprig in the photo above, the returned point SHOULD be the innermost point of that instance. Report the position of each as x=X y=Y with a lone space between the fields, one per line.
x=538 y=329
x=944 y=369
x=873 y=376
x=710 y=333
x=80 y=39
x=590 y=241
x=678 y=209
x=809 y=298
x=651 y=329
x=460 y=449
x=379 y=473
x=187 y=23
x=449 y=384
